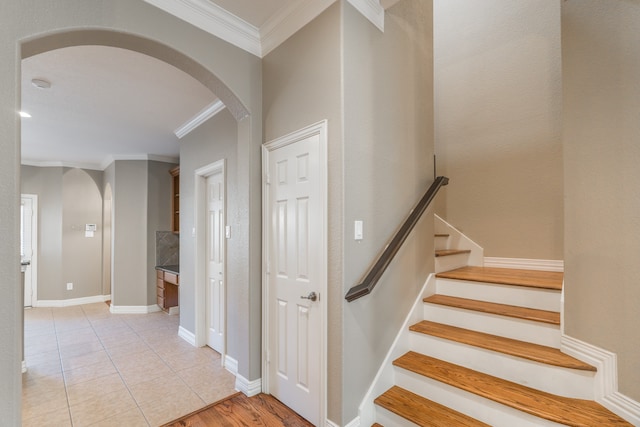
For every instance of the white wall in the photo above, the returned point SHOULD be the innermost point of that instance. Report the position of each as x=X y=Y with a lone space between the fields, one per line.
x=498 y=123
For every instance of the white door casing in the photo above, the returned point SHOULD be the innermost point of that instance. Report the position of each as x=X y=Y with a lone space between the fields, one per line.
x=215 y=261
x=201 y=335
x=295 y=267
x=29 y=245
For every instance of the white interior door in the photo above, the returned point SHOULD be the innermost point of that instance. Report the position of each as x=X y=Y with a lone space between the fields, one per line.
x=28 y=244
x=296 y=275
x=215 y=261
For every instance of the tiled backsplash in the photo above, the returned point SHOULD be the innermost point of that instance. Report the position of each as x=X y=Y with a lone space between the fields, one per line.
x=167 y=248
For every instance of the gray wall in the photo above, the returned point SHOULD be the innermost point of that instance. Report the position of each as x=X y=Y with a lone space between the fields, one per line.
x=601 y=81
x=301 y=80
x=214 y=140
x=388 y=165
x=498 y=123
x=29 y=27
x=67 y=200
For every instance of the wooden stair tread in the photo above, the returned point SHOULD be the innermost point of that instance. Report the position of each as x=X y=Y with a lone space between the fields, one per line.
x=507 y=276
x=533 y=314
x=563 y=410
x=421 y=411
x=525 y=350
x=447 y=252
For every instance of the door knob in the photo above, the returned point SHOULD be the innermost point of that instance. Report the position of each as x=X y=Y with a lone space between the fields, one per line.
x=312 y=296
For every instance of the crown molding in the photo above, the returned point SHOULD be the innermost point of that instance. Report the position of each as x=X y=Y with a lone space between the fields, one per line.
x=58 y=164
x=372 y=10
x=205 y=114
x=288 y=20
x=215 y=20
x=146 y=157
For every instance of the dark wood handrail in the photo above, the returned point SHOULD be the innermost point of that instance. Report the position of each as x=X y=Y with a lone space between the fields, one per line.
x=385 y=258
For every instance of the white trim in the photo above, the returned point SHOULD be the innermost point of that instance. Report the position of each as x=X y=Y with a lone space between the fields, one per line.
x=200 y=241
x=230 y=364
x=134 y=309
x=249 y=388
x=354 y=423
x=187 y=335
x=525 y=264
x=24 y=366
x=320 y=129
x=103 y=165
x=385 y=376
x=205 y=114
x=215 y=20
x=56 y=164
x=372 y=10
x=70 y=302
x=288 y=20
x=606 y=379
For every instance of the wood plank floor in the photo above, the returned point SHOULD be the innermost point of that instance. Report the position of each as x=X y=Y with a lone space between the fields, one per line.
x=242 y=411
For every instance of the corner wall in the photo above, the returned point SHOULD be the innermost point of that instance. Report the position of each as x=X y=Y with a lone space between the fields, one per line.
x=498 y=123
x=601 y=132
x=388 y=166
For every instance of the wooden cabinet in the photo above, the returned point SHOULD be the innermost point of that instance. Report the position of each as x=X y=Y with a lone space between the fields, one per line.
x=175 y=199
x=167 y=289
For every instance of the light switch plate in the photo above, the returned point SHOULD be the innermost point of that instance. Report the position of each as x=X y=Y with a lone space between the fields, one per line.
x=358 y=228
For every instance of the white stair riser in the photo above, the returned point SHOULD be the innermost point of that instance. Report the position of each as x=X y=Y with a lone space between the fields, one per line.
x=552 y=379
x=451 y=262
x=519 y=329
x=441 y=242
x=485 y=410
x=542 y=299
x=388 y=418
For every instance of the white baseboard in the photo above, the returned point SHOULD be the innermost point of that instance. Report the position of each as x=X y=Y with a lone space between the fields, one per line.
x=249 y=388
x=72 y=302
x=606 y=380
x=231 y=364
x=188 y=336
x=24 y=366
x=525 y=264
x=354 y=423
x=134 y=309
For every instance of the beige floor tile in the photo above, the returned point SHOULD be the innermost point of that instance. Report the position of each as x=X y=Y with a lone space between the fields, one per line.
x=140 y=373
x=42 y=404
x=57 y=418
x=84 y=360
x=76 y=336
x=156 y=389
x=89 y=372
x=73 y=350
x=125 y=361
x=42 y=385
x=132 y=418
x=41 y=358
x=106 y=406
x=196 y=357
x=171 y=407
x=210 y=383
x=129 y=349
x=95 y=388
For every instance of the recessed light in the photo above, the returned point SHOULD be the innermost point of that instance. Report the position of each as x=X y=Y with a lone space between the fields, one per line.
x=41 y=83
x=24 y=114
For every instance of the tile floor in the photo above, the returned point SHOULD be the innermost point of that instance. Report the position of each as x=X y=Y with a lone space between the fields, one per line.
x=88 y=367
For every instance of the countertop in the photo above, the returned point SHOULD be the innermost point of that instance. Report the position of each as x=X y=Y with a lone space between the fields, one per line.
x=175 y=269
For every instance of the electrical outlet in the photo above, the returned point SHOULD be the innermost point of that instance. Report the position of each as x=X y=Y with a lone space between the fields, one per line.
x=69 y=286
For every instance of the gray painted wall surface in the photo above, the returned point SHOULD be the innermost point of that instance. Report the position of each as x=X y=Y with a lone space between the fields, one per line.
x=388 y=165
x=498 y=123
x=214 y=140
x=601 y=81
x=233 y=74
x=302 y=80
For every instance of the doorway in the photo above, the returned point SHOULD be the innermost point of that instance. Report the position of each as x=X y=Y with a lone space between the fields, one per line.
x=295 y=270
x=29 y=246
x=211 y=233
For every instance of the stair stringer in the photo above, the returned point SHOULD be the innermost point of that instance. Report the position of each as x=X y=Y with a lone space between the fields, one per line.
x=385 y=378
x=606 y=379
x=457 y=240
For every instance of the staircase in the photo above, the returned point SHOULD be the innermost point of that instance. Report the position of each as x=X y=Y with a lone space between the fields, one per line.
x=485 y=351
